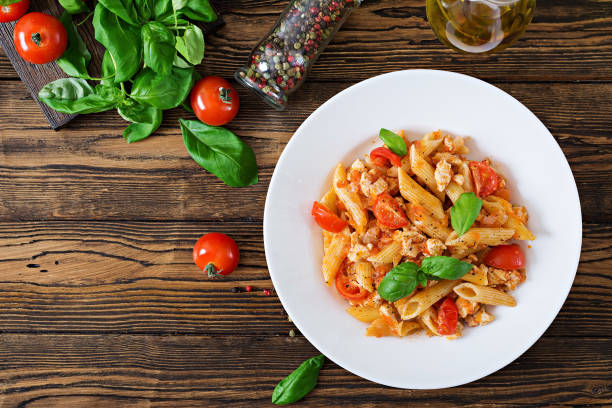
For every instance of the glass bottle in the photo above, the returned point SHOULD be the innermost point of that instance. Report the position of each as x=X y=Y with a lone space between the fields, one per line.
x=279 y=63
x=479 y=26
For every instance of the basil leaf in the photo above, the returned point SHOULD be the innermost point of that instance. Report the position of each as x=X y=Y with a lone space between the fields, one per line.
x=199 y=10
x=75 y=59
x=393 y=141
x=445 y=267
x=162 y=9
x=108 y=69
x=296 y=385
x=464 y=212
x=8 y=2
x=75 y=95
x=180 y=63
x=221 y=152
x=122 y=41
x=144 y=8
x=191 y=45
x=124 y=9
x=146 y=119
x=422 y=278
x=74 y=6
x=162 y=91
x=399 y=282
x=158 y=45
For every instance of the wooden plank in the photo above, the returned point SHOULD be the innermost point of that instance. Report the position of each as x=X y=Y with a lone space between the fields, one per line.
x=568 y=40
x=90 y=163
x=223 y=371
x=139 y=277
x=36 y=76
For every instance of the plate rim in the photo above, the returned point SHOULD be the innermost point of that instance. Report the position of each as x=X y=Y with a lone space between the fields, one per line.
x=502 y=362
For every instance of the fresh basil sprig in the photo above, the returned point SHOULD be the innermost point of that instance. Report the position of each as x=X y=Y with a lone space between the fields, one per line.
x=221 y=152
x=75 y=95
x=296 y=385
x=393 y=141
x=191 y=44
x=158 y=45
x=464 y=212
x=402 y=280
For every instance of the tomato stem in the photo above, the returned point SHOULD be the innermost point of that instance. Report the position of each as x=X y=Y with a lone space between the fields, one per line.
x=36 y=39
x=211 y=270
x=224 y=95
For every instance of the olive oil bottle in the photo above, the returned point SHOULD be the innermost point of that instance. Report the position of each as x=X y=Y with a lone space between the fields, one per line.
x=479 y=26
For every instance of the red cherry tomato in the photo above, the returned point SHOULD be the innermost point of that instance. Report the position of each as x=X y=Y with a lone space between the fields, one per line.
x=216 y=254
x=214 y=101
x=447 y=317
x=486 y=180
x=348 y=288
x=388 y=212
x=13 y=11
x=382 y=155
x=40 y=38
x=326 y=219
x=506 y=257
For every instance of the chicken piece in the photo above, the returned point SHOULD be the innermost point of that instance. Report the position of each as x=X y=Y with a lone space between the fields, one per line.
x=451 y=158
x=367 y=179
x=443 y=174
x=514 y=278
x=412 y=242
x=358 y=251
x=358 y=165
x=466 y=307
x=481 y=317
x=371 y=235
x=435 y=247
x=379 y=187
x=459 y=179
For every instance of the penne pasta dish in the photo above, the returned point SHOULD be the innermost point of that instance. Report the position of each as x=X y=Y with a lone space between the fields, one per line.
x=418 y=238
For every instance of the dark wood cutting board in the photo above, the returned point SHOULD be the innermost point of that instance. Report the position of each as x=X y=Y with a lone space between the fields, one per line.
x=36 y=76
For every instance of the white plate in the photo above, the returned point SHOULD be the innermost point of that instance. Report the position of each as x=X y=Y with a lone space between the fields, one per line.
x=420 y=101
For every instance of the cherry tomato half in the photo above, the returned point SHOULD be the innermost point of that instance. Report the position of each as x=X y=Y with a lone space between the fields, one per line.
x=40 y=38
x=448 y=315
x=216 y=254
x=506 y=257
x=214 y=101
x=486 y=180
x=326 y=219
x=388 y=212
x=349 y=289
x=13 y=11
x=382 y=155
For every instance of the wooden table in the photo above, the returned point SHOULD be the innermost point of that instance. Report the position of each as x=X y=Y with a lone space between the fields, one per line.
x=100 y=304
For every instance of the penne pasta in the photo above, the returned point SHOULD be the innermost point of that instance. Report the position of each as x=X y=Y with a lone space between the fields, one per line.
x=366 y=314
x=329 y=201
x=379 y=328
x=364 y=274
x=484 y=236
x=424 y=171
x=477 y=275
x=388 y=254
x=385 y=239
x=350 y=199
x=415 y=194
x=420 y=302
x=335 y=255
x=484 y=294
x=427 y=223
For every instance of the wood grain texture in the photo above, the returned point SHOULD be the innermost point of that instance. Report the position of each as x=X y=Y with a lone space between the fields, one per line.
x=101 y=306
x=568 y=40
x=35 y=76
x=109 y=277
x=241 y=371
x=156 y=179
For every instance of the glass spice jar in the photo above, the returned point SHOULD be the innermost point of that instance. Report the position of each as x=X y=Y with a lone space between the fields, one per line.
x=278 y=65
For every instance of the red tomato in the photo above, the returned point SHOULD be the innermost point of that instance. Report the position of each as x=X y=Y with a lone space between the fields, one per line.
x=216 y=254
x=486 y=180
x=40 y=38
x=382 y=155
x=214 y=101
x=388 y=212
x=447 y=317
x=326 y=219
x=348 y=289
x=505 y=257
x=13 y=11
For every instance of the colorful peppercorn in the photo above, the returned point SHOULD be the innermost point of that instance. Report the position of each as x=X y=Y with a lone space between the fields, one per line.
x=249 y=288
x=284 y=57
